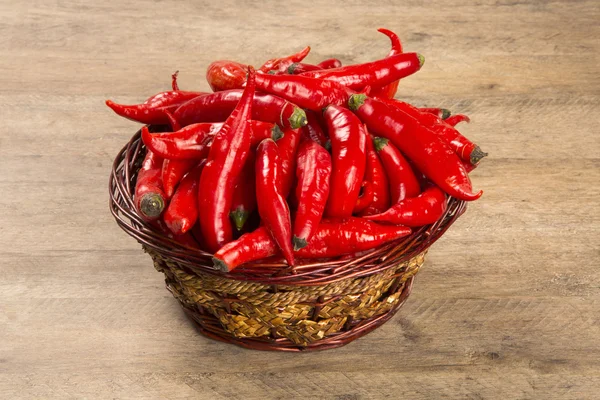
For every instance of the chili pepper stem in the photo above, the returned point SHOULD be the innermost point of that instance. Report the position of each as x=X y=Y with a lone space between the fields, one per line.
x=299 y=243
x=220 y=265
x=239 y=217
x=476 y=155
x=152 y=205
x=298 y=119
x=277 y=133
x=421 y=60
x=379 y=143
x=445 y=113
x=356 y=100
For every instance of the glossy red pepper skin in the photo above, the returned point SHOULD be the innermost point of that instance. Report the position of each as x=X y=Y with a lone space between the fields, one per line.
x=272 y=207
x=172 y=173
x=244 y=194
x=377 y=73
x=226 y=75
x=403 y=182
x=182 y=213
x=365 y=199
x=348 y=153
x=216 y=107
x=453 y=120
x=330 y=63
x=333 y=238
x=424 y=209
x=284 y=62
x=150 y=198
x=313 y=129
x=299 y=68
x=306 y=92
x=152 y=111
x=313 y=170
x=441 y=113
x=429 y=153
x=389 y=90
x=185 y=239
x=228 y=153
x=288 y=147
x=375 y=173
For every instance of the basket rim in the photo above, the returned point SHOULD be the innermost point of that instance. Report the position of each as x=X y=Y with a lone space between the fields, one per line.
x=121 y=188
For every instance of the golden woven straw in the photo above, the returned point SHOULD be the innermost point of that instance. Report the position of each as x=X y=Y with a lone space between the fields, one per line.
x=313 y=306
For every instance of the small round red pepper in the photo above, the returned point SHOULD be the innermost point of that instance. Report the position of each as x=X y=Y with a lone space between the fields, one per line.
x=226 y=75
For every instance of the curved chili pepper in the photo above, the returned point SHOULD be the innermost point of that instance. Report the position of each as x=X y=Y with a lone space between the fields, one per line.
x=403 y=182
x=313 y=170
x=288 y=146
x=313 y=129
x=431 y=155
x=174 y=84
x=226 y=75
x=276 y=63
x=441 y=113
x=456 y=119
x=389 y=90
x=216 y=107
x=377 y=73
x=244 y=194
x=304 y=91
x=424 y=209
x=150 y=198
x=330 y=63
x=298 y=68
x=375 y=173
x=226 y=159
x=152 y=111
x=333 y=238
x=348 y=148
x=272 y=207
x=172 y=121
x=182 y=213
x=172 y=173
x=365 y=199
x=466 y=150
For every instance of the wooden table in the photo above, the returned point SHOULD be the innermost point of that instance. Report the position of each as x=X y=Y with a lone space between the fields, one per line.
x=507 y=305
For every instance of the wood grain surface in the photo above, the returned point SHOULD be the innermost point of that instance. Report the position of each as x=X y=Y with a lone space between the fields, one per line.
x=507 y=305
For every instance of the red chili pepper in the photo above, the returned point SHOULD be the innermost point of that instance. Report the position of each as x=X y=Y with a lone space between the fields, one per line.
x=348 y=148
x=150 y=199
x=298 y=68
x=403 y=182
x=174 y=84
x=226 y=159
x=226 y=75
x=172 y=173
x=466 y=150
x=330 y=63
x=172 y=121
x=431 y=155
x=288 y=146
x=272 y=207
x=389 y=90
x=424 y=209
x=216 y=107
x=276 y=63
x=304 y=91
x=441 y=113
x=152 y=111
x=182 y=212
x=377 y=73
x=375 y=173
x=456 y=119
x=365 y=199
x=313 y=129
x=333 y=238
x=185 y=239
x=313 y=171
x=244 y=194
x=193 y=142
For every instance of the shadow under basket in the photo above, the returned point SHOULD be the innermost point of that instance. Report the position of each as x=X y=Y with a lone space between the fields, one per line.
x=316 y=306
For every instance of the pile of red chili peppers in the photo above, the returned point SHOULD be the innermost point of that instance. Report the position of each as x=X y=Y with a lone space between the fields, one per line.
x=298 y=161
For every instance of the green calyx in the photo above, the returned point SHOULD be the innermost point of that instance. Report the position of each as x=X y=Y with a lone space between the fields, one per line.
x=276 y=133
x=239 y=217
x=421 y=60
x=445 y=113
x=379 y=143
x=476 y=155
x=327 y=145
x=220 y=264
x=298 y=118
x=272 y=72
x=356 y=100
x=152 y=205
x=292 y=68
x=299 y=243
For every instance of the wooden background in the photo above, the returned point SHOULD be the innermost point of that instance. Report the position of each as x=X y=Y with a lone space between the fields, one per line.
x=507 y=305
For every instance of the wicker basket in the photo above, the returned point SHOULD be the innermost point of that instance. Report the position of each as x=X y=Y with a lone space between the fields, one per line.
x=313 y=306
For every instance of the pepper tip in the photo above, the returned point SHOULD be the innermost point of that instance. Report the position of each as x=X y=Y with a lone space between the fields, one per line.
x=220 y=265
x=421 y=60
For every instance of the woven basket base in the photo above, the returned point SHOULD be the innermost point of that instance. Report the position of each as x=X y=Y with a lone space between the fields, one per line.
x=288 y=317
